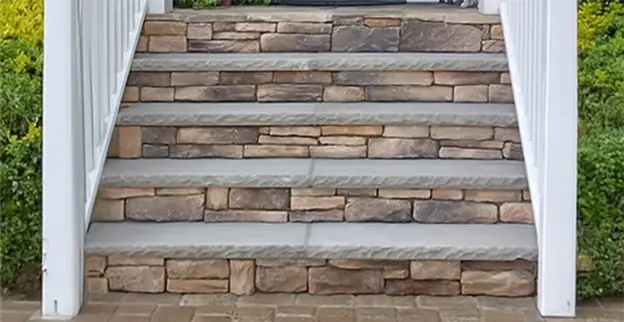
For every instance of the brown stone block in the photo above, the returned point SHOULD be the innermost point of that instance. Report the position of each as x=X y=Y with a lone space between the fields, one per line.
x=447 y=194
x=198 y=269
x=316 y=203
x=166 y=208
x=228 y=35
x=307 y=131
x=505 y=78
x=377 y=209
x=303 y=77
x=122 y=193
x=435 y=270
x=357 y=264
x=353 y=38
x=402 y=148
x=285 y=279
x=97 y=285
x=493 y=195
x=505 y=283
x=189 y=151
x=197 y=286
x=256 y=198
x=331 y=280
x=343 y=140
x=501 y=94
x=142 y=44
x=471 y=93
x=380 y=23
x=194 y=78
x=129 y=141
x=223 y=26
x=217 y=198
x=144 y=279
x=357 y=192
x=513 y=151
x=131 y=94
x=245 y=215
x=279 y=42
x=414 y=287
x=265 y=151
x=219 y=93
x=316 y=215
x=462 y=153
x=466 y=78
x=472 y=144
x=406 y=131
x=224 y=46
x=255 y=26
x=155 y=151
x=217 y=135
x=364 y=130
x=108 y=210
x=337 y=151
x=289 y=93
x=167 y=44
x=117 y=260
x=437 y=211
x=516 y=212
x=343 y=94
x=242 y=275
x=511 y=134
x=383 y=78
x=199 y=31
x=288 y=27
x=405 y=193
x=155 y=79
x=158 y=135
x=246 y=78
x=315 y=192
x=300 y=262
x=179 y=191
x=461 y=132
x=519 y=264
x=425 y=36
x=161 y=28
x=493 y=46
x=496 y=32
x=95 y=265
x=409 y=93
x=157 y=94
x=286 y=140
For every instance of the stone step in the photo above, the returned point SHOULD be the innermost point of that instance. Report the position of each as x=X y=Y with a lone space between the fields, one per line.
x=331 y=258
x=327 y=113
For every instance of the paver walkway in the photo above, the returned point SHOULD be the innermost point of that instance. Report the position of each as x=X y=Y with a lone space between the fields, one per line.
x=118 y=307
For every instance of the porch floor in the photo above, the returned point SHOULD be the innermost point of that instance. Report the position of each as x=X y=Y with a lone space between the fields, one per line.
x=120 y=307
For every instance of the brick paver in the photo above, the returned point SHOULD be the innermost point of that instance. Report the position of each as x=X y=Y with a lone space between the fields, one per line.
x=119 y=307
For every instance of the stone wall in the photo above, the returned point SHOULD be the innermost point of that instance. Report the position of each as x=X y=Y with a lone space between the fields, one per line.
x=315 y=86
x=216 y=204
x=374 y=142
x=314 y=276
x=229 y=32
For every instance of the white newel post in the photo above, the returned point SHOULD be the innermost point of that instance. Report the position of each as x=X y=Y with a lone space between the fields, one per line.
x=556 y=295
x=489 y=7
x=159 y=6
x=63 y=228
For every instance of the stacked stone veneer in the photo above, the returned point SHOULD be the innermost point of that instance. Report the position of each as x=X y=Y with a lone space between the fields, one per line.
x=216 y=204
x=239 y=32
x=314 y=86
x=375 y=142
x=315 y=276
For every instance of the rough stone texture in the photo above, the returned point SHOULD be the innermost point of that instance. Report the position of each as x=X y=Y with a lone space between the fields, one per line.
x=221 y=93
x=294 y=43
x=435 y=211
x=329 y=280
x=493 y=195
x=245 y=215
x=194 y=79
x=302 y=77
x=516 y=212
x=365 y=39
x=461 y=133
x=513 y=151
x=383 y=78
x=505 y=283
x=402 y=148
x=409 y=93
x=466 y=78
x=471 y=93
x=414 y=287
x=108 y=210
x=373 y=209
x=190 y=151
x=167 y=44
x=217 y=135
x=343 y=94
x=353 y=264
x=266 y=199
x=199 y=31
x=134 y=261
x=289 y=92
x=435 y=270
x=316 y=203
x=197 y=286
x=165 y=208
x=435 y=36
x=316 y=215
x=500 y=93
x=143 y=279
x=460 y=153
x=216 y=198
x=448 y=194
x=337 y=151
x=198 y=269
x=304 y=27
x=287 y=279
x=246 y=78
x=223 y=46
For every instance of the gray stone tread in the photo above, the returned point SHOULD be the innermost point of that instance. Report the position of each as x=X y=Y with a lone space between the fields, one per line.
x=317 y=240
x=345 y=173
x=328 y=61
x=360 y=113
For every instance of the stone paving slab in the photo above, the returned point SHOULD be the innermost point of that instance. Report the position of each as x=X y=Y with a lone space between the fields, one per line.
x=120 y=307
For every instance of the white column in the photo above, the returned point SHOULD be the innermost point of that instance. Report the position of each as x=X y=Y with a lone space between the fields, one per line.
x=489 y=7
x=63 y=164
x=556 y=294
x=159 y=6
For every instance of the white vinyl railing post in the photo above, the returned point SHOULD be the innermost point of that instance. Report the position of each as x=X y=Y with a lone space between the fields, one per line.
x=556 y=295
x=63 y=167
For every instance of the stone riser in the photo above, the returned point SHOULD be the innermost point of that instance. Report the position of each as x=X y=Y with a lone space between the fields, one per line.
x=316 y=86
x=373 y=142
x=216 y=204
x=341 y=34
x=313 y=276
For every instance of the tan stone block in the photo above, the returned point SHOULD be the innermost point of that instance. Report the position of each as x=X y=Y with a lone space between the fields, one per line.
x=343 y=94
x=301 y=262
x=383 y=78
x=242 y=275
x=280 y=42
x=166 y=208
x=217 y=135
x=496 y=32
x=178 y=191
x=312 y=191
x=289 y=93
x=217 y=198
x=122 y=193
x=505 y=78
x=197 y=286
x=201 y=31
x=462 y=132
x=95 y=265
x=310 y=131
x=194 y=79
x=516 y=212
x=160 y=28
x=129 y=141
x=285 y=279
x=245 y=215
x=263 y=151
x=395 y=273
x=255 y=26
x=435 y=270
x=505 y=283
x=501 y=94
x=380 y=23
x=167 y=44
x=303 y=27
x=343 y=140
x=223 y=26
x=507 y=134
x=287 y=140
x=259 y=198
x=246 y=78
x=336 y=314
x=364 y=130
x=228 y=35
x=493 y=266
x=493 y=46
x=466 y=78
x=337 y=151
x=185 y=151
x=447 y=194
x=216 y=93
x=332 y=280
x=492 y=195
x=406 y=131
x=359 y=264
x=472 y=144
x=144 y=279
x=97 y=285
x=302 y=77
x=402 y=148
x=405 y=193
x=409 y=93
x=117 y=260
x=131 y=94
x=461 y=153
x=108 y=210
x=316 y=215
x=471 y=93
x=264 y=130
x=197 y=269
x=316 y=203
x=357 y=192
x=157 y=94
x=142 y=44
x=416 y=287
x=113 y=148
x=446 y=211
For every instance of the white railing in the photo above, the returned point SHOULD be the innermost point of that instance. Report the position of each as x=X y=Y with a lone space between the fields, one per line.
x=540 y=36
x=88 y=49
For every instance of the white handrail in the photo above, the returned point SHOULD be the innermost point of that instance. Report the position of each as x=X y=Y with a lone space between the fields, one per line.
x=88 y=50
x=540 y=37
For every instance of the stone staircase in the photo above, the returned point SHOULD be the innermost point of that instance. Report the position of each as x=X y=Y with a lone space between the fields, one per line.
x=325 y=151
